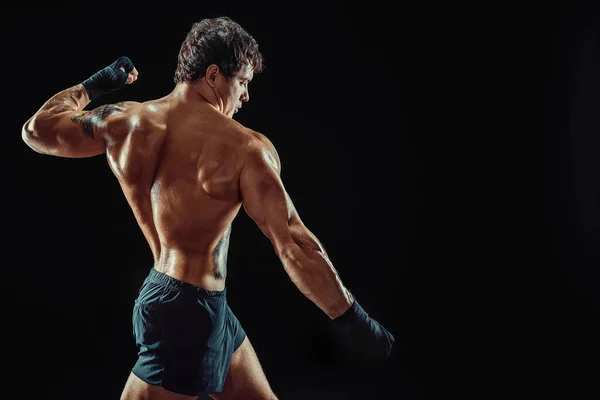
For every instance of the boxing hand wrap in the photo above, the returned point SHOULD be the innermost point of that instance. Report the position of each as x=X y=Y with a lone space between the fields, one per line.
x=109 y=78
x=363 y=334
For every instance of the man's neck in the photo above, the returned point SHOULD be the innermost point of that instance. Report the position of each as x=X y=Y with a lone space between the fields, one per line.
x=195 y=93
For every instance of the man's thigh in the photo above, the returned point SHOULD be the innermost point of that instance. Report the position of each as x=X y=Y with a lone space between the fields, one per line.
x=137 y=389
x=245 y=377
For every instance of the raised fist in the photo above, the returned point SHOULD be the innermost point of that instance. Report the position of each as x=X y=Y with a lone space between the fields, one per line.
x=110 y=78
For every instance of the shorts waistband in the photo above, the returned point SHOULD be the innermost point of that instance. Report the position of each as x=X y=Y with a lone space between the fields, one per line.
x=164 y=279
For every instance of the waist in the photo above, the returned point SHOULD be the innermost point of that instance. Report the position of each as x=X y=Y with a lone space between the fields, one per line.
x=163 y=279
x=197 y=268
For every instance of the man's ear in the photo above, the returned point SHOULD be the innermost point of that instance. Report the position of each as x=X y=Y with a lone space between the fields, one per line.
x=211 y=74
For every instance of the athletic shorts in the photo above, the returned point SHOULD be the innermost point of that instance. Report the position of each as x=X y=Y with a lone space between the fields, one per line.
x=185 y=335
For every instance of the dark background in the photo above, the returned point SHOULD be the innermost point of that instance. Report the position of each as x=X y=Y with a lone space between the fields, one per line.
x=447 y=159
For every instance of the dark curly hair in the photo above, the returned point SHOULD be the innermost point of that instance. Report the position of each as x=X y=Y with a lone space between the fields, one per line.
x=219 y=41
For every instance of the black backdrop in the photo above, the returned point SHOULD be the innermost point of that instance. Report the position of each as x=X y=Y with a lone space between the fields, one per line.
x=457 y=197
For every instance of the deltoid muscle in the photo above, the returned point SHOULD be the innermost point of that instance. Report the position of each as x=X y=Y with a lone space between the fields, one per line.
x=90 y=119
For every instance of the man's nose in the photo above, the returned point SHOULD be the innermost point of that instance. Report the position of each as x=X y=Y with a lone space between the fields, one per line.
x=245 y=96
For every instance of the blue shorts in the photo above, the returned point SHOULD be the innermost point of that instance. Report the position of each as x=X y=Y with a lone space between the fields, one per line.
x=185 y=335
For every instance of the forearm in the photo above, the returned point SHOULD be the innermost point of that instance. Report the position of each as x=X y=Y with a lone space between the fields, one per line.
x=74 y=98
x=308 y=266
x=42 y=131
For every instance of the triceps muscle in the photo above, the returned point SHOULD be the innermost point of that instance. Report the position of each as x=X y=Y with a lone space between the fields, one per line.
x=89 y=120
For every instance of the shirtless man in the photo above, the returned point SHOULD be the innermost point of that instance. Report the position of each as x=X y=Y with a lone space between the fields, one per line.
x=186 y=168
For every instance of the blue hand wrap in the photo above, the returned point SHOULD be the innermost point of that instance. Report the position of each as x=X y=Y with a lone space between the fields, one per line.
x=109 y=78
x=363 y=334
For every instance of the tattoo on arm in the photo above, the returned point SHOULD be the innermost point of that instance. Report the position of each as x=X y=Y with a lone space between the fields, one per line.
x=91 y=119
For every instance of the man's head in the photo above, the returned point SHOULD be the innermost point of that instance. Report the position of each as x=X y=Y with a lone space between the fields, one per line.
x=224 y=55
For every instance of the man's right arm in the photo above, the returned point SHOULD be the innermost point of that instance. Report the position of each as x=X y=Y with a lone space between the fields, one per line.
x=302 y=255
x=304 y=258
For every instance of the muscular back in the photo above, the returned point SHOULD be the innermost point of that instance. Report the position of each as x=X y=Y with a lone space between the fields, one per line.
x=186 y=169
x=179 y=169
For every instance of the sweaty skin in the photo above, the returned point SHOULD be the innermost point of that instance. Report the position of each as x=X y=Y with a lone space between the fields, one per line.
x=186 y=168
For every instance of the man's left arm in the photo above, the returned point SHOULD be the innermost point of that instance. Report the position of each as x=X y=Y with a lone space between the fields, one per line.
x=61 y=127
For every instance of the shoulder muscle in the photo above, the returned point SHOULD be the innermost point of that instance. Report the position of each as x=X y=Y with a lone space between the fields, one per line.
x=110 y=122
